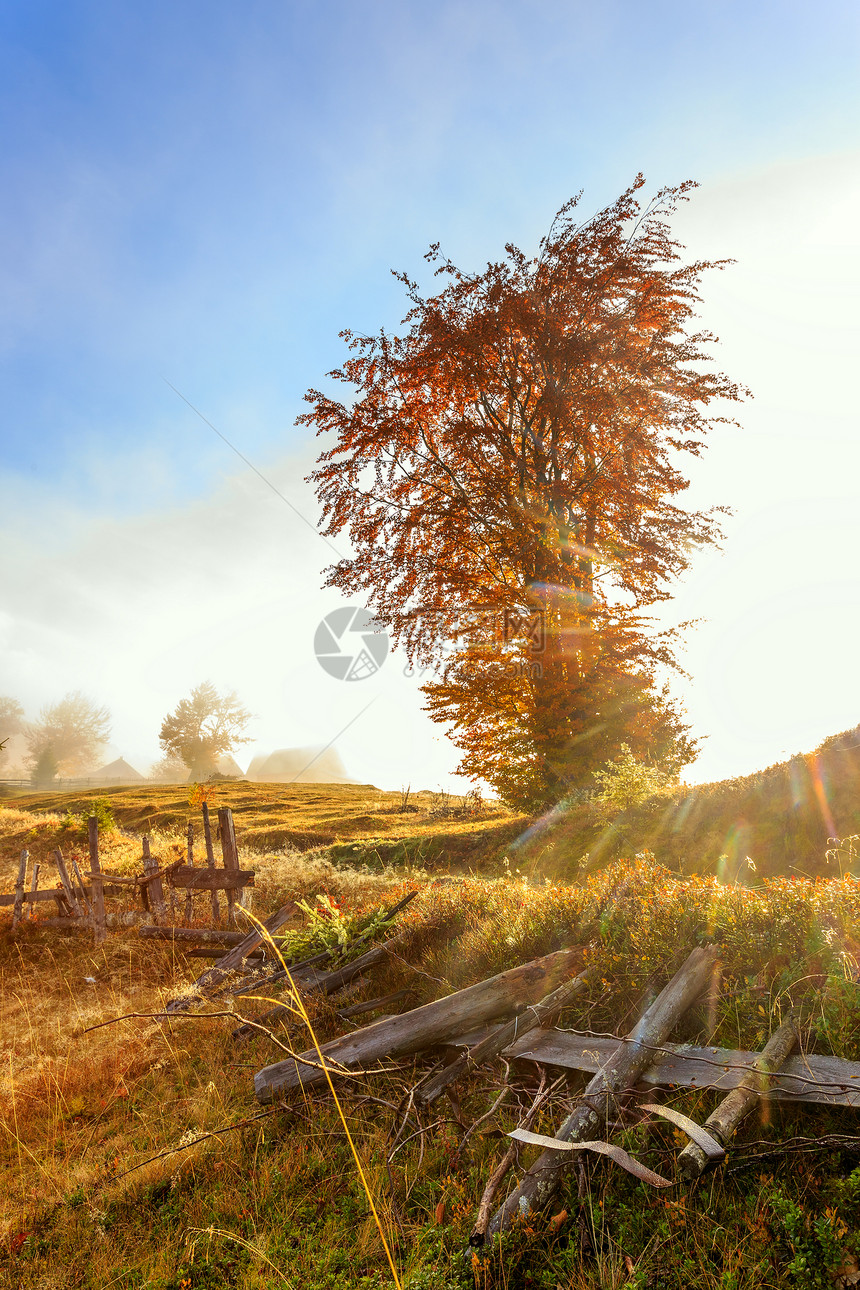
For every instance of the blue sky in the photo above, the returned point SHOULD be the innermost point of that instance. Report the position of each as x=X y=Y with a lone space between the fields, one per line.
x=206 y=194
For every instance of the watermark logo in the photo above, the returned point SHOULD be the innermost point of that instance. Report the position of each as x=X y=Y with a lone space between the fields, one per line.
x=350 y=644
x=530 y=626
x=487 y=624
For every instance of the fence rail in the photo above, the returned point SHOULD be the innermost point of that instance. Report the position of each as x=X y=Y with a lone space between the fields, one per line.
x=80 y=897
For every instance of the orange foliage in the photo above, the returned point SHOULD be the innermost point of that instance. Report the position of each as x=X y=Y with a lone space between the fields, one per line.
x=516 y=455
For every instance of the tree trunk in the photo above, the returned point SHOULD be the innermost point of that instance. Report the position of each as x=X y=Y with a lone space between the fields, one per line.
x=422 y=1027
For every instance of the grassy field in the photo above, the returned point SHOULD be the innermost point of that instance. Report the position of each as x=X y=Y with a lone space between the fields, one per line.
x=348 y=821
x=780 y=819
x=110 y=1179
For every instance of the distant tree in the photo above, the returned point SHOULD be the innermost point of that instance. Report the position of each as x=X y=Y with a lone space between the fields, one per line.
x=11 y=723
x=169 y=769
x=204 y=727
x=45 y=768
x=75 y=730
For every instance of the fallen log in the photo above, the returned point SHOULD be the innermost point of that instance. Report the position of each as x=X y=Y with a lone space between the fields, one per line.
x=725 y=1121
x=217 y=952
x=370 y=1005
x=589 y=1119
x=421 y=1027
x=491 y=1046
x=202 y=934
x=231 y=960
x=331 y=982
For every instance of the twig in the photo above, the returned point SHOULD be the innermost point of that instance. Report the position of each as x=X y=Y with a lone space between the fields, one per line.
x=841 y=1141
x=482 y=1220
x=171 y=1151
x=505 y=1093
x=158 y=1016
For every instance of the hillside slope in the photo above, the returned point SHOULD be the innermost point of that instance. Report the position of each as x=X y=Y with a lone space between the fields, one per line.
x=781 y=819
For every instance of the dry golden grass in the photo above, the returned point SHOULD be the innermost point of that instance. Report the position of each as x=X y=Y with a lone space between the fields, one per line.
x=278 y=1202
x=272 y=816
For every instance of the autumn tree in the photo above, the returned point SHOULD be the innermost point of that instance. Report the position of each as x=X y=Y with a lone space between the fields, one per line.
x=204 y=727
x=70 y=736
x=510 y=472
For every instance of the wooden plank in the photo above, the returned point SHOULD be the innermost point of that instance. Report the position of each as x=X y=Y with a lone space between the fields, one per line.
x=18 y=898
x=210 y=861
x=30 y=897
x=114 y=880
x=809 y=1077
x=201 y=934
x=420 y=1028
x=98 y=893
x=71 y=898
x=195 y=877
x=590 y=1116
x=233 y=958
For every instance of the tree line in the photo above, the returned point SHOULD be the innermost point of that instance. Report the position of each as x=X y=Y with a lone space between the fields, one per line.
x=70 y=736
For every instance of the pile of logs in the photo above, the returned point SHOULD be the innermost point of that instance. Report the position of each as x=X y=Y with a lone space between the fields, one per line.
x=511 y=1015
x=511 y=1018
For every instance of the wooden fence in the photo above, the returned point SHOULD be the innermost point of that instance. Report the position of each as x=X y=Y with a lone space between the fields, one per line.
x=80 y=897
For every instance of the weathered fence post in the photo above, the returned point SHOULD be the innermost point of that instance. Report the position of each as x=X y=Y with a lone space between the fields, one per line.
x=19 y=889
x=230 y=852
x=153 y=891
x=98 y=888
x=210 y=860
x=81 y=890
x=34 y=885
x=189 y=852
